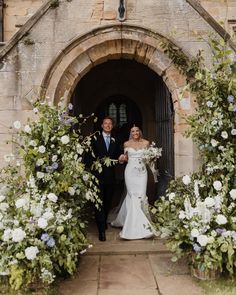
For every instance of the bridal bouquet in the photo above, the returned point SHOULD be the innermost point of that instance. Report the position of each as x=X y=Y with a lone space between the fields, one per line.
x=149 y=157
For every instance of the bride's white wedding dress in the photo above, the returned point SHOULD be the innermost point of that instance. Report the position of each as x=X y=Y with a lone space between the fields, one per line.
x=133 y=215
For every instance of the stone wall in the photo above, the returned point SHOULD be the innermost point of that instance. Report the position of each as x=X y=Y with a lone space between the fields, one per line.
x=59 y=45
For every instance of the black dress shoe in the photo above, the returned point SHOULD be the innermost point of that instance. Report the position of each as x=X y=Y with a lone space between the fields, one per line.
x=102 y=237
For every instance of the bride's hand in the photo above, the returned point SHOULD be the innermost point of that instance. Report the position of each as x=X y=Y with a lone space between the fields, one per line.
x=123 y=158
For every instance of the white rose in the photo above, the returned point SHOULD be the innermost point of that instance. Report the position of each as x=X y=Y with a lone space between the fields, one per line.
x=224 y=134
x=17 y=124
x=39 y=162
x=52 y=197
x=209 y=202
x=233 y=131
x=233 y=194
x=65 y=139
x=27 y=129
x=217 y=185
x=42 y=222
x=171 y=196
x=71 y=191
x=221 y=219
x=31 y=252
x=22 y=202
x=7 y=235
x=48 y=215
x=195 y=233
x=85 y=177
x=186 y=179
x=54 y=158
x=42 y=149
x=214 y=142
x=18 y=235
x=209 y=104
x=2 y=198
x=40 y=175
x=202 y=240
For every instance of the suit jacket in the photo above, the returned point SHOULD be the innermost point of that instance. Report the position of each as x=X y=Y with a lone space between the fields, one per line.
x=99 y=148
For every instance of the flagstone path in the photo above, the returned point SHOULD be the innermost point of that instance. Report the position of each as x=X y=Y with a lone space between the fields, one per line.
x=140 y=267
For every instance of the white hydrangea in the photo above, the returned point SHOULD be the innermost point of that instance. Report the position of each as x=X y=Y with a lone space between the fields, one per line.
x=42 y=149
x=217 y=185
x=18 y=235
x=52 y=197
x=40 y=175
x=31 y=252
x=33 y=143
x=22 y=202
x=2 y=198
x=4 y=206
x=195 y=233
x=202 y=240
x=17 y=124
x=65 y=139
x=171 y=196
x=221 y=219
x=209 y=202
x=42 y=222
x=186 y=179
x=233 y=194
x=27 y=129
x=7 y=235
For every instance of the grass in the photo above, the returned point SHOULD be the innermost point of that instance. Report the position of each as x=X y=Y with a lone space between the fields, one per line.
x=222 y=286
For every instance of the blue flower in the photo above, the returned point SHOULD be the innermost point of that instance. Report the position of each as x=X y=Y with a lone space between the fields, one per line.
x=45 y=237
x=197 y=248
x=54 y=165
x=230 y=98
x=220 y=231
x=51 y=243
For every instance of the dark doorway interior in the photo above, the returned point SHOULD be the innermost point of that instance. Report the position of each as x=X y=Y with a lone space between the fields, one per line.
x=131 y=93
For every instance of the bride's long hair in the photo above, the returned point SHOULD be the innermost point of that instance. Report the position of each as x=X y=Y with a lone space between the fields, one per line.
x=130 y=134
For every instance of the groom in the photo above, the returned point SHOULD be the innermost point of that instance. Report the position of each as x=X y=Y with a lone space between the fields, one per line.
x=105 y=146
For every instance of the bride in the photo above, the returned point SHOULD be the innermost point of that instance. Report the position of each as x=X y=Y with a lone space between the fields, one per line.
x=133 y=215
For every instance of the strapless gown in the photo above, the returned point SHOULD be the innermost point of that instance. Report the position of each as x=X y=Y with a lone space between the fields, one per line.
x=133 y=215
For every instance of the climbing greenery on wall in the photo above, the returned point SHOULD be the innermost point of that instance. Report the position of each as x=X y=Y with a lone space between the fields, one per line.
x=198 y=214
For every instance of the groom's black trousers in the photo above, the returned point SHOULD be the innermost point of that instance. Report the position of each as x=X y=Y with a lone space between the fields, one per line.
x=106 y=193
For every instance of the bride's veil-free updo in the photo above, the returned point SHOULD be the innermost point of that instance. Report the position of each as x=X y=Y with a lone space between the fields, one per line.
x=141 y=133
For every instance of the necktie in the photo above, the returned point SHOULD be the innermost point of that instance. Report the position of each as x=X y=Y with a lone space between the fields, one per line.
x=107 y=141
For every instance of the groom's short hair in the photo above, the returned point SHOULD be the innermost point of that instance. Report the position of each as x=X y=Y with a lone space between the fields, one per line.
x=108 y=118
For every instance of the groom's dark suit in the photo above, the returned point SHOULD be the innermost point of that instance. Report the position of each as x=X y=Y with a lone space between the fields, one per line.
x=106 y=178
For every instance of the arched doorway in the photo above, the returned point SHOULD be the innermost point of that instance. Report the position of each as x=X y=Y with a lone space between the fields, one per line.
x=131 y=93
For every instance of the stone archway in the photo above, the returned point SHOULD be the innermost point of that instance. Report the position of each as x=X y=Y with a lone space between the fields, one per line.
x=116 y=42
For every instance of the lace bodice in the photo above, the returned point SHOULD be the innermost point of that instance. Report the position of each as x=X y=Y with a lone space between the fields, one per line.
x=133 y=153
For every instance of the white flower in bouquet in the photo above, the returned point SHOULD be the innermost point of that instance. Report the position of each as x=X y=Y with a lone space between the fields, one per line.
x=42 y=222
x=65 y=139
x=217 y=185
x=52 y=197
x=214 y=142
x=209 y=202
x=221 y=219
x=22 y=202
x=171 y=196
x=17 y=124
x=7 y=235
x=233 y=131
x=48 y=215
x=182 y=214
x=233 y=194
x=202 y=240
x=27 y=129
x=224 y=134
x=195 y=233
x=151 y=153
x=42 y=149
x=39 y=162
x=186 y=179
x=18 y=235
x=54 y=158
x=2 y=198
x=71 y=191
x=31 y=252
